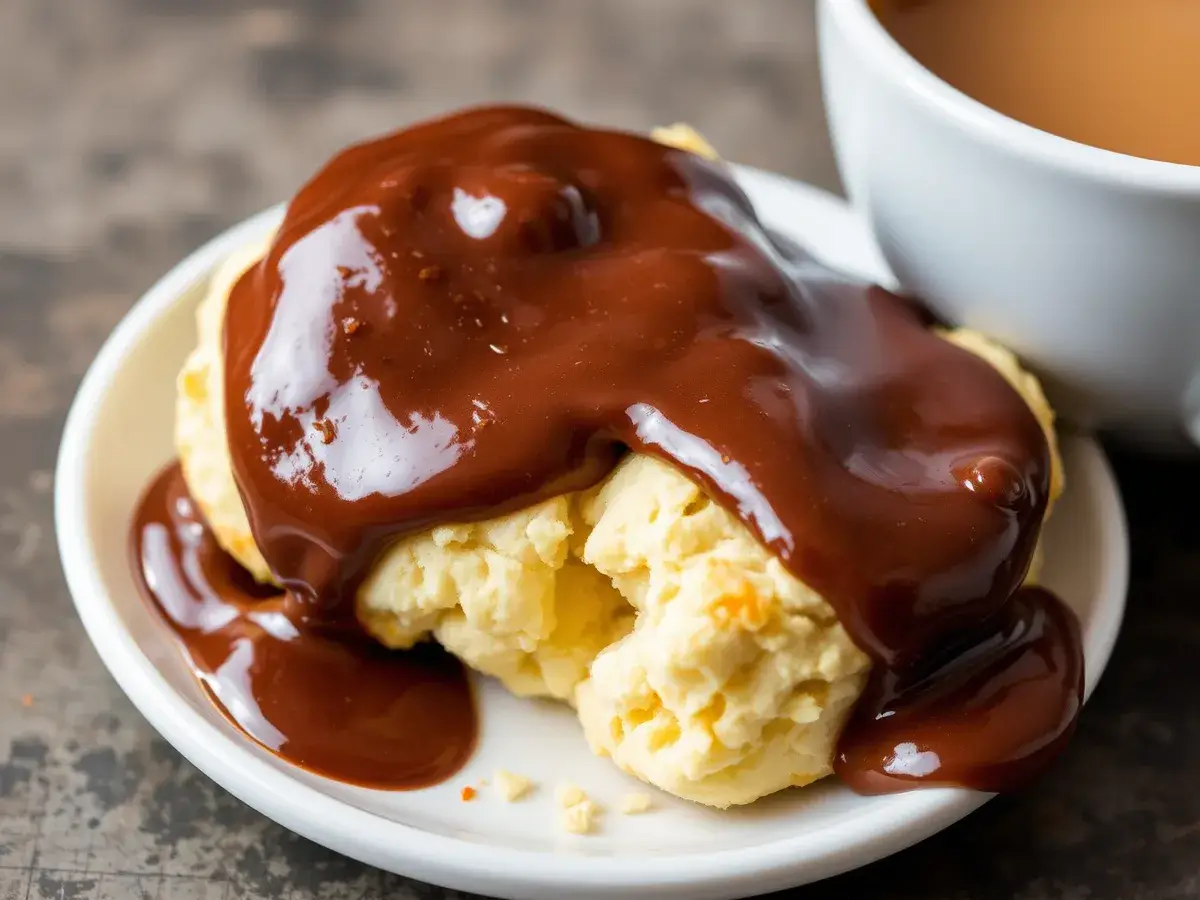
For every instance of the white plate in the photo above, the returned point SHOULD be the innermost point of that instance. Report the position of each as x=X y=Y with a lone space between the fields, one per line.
x=119 y=433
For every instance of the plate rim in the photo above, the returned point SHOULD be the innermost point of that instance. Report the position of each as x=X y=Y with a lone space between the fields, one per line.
x=444 y=859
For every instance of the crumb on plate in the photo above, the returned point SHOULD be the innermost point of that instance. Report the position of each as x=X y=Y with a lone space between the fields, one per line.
x=633 y=804
x=568 y=794
x=510 y=786
x=579 y=812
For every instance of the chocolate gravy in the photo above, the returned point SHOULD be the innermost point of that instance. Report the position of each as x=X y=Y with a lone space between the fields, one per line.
x=467 y=316
x=340 y=706
x=990 y=711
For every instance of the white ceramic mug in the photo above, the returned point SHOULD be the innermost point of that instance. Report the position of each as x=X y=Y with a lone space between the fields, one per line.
x=1084 y=261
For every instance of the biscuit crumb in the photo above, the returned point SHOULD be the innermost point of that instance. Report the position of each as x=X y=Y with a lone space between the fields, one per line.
x=510 y=786
x=579 y=819
x=430 y=273
x=568 y=794
x=579 y=813
x=468 y=794
x=633 y=804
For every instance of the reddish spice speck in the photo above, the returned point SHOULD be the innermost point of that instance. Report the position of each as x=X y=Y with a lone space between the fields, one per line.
x=468 y=794
x=27 y=701
x=350 y=325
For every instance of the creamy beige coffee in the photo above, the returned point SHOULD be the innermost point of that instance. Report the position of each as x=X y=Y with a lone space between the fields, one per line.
x=1119 y=74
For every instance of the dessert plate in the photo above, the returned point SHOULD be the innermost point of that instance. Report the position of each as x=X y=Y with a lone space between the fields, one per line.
x=119 y=433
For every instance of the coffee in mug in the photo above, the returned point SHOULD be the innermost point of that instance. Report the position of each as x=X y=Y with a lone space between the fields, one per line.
x=1121 y=75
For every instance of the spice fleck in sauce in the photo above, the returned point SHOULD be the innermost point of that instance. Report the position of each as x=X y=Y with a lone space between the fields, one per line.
x=459 y=319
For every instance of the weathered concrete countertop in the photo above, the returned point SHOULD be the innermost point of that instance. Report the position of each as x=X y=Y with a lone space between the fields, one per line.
x=134 y=129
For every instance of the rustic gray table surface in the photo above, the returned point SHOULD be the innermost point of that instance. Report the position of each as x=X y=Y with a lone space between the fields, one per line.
x=132 y=130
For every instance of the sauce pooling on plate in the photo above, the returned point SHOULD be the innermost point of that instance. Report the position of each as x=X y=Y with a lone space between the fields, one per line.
x=340 y=706
x=465 y=317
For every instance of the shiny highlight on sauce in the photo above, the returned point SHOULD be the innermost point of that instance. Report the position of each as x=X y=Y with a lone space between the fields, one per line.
x=462 y=318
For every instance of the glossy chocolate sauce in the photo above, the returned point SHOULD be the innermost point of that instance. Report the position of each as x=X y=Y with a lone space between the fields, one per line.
x=990 y=711
x=343 y=707
x=462 y=318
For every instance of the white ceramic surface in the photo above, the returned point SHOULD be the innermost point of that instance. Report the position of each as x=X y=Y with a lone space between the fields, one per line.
x=119 y=433
x=1083 y=260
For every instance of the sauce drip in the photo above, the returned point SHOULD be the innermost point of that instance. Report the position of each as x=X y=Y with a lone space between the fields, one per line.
x=990 y=712
x=343 y=707
x=464 y=317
